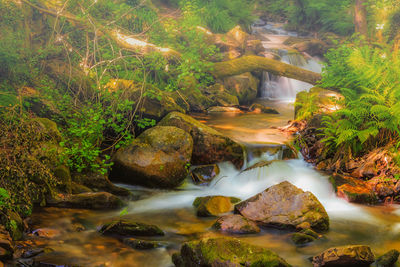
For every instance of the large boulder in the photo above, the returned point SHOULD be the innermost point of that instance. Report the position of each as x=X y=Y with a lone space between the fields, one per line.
x=244 y=86
x=225 y=252
x=159 y=157
x=285 y=206
x=236 y=224
x=345 y=256
x=214 y=205
x=220 y=96
x=210 y=146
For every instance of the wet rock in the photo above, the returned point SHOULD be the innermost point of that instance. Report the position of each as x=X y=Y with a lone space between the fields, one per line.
x=97 y=201
x=244 y=86
x=310 y=232
x=289 y=152
x=225 y=252
x=345 y=256
x=130 y=228
x=32 y=252
x=260 y=164
x=142 y=244
x=352 y=189
x=209 y=146
x=159 y=158
x=285 y=206
x=204 y=174
x=99 y=182
x=301 y=239
x=220 y=96
x=258 y=108
x=6 y=245
x=223 y=109
x=47 y=233
x=236 y=224
x=388 y=259
x=79 y=188
x=213 y=205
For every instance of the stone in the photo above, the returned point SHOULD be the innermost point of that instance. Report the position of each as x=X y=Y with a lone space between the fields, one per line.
x=302 y=239
x=99 y=182
x=209 y=146
x=91 y=200
x=353 y=190
x=130 y=228
x=47 y=233
x=244 y=86
x=220 y=96
x=258 y=108
x=213 y=205
x=285 y=206
x=63 y=175
x=204 y=174
x=236 y=224
x=223 y=110
x=158 y=158
x=142 y=244
x=388 y=259
x=356 y=255
x=225 y=252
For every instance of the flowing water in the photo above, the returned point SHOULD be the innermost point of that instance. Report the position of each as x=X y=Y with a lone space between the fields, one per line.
x=378 y=227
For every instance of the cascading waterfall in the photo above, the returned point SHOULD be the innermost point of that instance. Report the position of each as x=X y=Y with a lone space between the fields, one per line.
x=281 y=88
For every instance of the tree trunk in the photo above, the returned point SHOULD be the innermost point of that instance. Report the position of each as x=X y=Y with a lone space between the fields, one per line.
x=252 y=63
x=360 y=17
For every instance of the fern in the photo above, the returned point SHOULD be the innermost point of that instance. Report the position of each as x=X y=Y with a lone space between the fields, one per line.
x=368 y=78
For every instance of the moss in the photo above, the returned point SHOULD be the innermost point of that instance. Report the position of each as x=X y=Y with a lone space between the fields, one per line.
x=389 y=259
x=217 y=251
x=63 y=175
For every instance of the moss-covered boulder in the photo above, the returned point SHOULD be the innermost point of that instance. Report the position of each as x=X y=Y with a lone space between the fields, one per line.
x=236 y=224
x=130 y=228
x=91 y=200
x=220 y=96
x=345 y=256
x=210 y=146
x=213 y=205
x=204 y=174
x=388 y=259
x=243 y=86
x=159 y=158
x=225 y=252
x=285 y=206
x=219 y=109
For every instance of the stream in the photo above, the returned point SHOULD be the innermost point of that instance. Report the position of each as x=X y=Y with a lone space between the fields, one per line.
x=172 y=211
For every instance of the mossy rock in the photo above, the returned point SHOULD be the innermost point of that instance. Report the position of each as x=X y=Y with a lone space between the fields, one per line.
x=209 y=145
x=236 y=224
x=130 y=228
x=98 y=182
x=285 y=206
x=388 y=259
x=213 y=205
x=225 y=252
x=79 y=188
x=158 y=158
x=244 y=87
x=63 y=175
x=301 y=238
x=95 y=200
x=49 y=126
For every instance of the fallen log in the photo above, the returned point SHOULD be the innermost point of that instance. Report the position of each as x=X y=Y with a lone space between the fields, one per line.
x=253 y=63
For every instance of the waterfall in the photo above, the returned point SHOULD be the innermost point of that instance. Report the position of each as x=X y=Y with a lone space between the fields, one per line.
x=282 y=88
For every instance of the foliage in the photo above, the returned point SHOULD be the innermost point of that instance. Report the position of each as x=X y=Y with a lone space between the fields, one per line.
x=368 y=78
x=326 y=15
x=305 y=105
